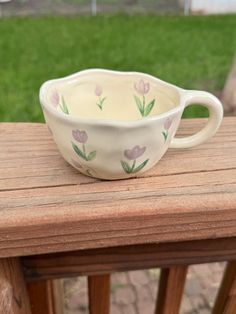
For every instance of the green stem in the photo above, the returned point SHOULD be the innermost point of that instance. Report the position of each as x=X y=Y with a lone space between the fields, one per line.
x=83 y=147
x=100 y=102
x=132 y=168
x=143 y=103
x=166 y=135
x=61 y=107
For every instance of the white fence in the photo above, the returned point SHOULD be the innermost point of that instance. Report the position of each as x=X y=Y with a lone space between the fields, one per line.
x=94 y=7
x=213 y=6
x=27 y=7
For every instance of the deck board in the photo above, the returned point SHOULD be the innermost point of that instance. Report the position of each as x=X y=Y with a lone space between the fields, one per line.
x=47 y=206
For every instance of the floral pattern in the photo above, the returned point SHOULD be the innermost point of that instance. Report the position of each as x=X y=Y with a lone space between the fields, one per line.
x=82 y=137
x=133 y=154
x=167 y=125
x=142 y=89
x=59 y=101
x=89 y=171
x=98 y=92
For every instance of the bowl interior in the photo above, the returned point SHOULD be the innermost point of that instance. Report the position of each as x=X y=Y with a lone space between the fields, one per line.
x=111 y=95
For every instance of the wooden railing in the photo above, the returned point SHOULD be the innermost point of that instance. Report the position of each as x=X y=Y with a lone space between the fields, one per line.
x=56 y=223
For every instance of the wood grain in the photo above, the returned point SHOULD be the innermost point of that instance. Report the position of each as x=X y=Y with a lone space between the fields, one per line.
x=230 y=307
x=47 y=206
x=46 y=297
x=58 y=296
x=226 y=299
x=123 y=258
x=99 y=294
x=170 y=292
x=13 y=295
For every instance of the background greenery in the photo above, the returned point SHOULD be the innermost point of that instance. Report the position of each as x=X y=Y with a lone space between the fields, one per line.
x=193 y=52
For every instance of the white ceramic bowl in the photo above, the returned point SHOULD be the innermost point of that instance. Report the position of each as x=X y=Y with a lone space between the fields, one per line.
x=115 y=125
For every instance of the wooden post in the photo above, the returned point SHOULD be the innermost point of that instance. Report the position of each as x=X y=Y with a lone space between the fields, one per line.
x=13 y=294
x=46 y=297
x=99 y=294
x=226 y=299
x=187 y=7
x=171 y=289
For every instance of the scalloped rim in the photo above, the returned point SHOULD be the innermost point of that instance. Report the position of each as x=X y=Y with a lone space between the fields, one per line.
x=113 y=122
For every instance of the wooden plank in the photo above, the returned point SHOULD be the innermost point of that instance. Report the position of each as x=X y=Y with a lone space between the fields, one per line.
x=171 y=287
x=99 y=294
x=108 y=260
x=29 y=158
x=46 y=297
x=44 y=203
x=13 y=295
x=226 y=299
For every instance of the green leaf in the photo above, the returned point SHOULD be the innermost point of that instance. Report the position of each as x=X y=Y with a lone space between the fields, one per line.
x=126 y=166
x=165 y=134
x=78 y=151
x=149 y=107
x=139 y=105
x=102 y=100
x=140 y=167
x=64 y=107
x=91 y=155
x=99 y=105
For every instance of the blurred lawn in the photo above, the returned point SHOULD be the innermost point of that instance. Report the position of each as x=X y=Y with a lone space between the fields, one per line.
x=193 y=52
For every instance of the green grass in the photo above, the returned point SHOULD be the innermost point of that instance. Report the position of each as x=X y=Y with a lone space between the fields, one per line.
x=193 y=52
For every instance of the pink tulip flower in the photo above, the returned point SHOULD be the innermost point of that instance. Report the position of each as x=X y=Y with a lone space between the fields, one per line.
x=167 y=123
x=134 y=153
x=80 y=136
x=141 y=87
x=55 y=98
x=98 y=91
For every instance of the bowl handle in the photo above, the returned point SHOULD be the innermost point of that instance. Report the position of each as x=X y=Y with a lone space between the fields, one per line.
x=215 y=117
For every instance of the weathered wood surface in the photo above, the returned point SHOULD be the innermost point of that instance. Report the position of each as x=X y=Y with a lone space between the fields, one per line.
x=46 y=206
x=123 y=258
x=13 y=295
